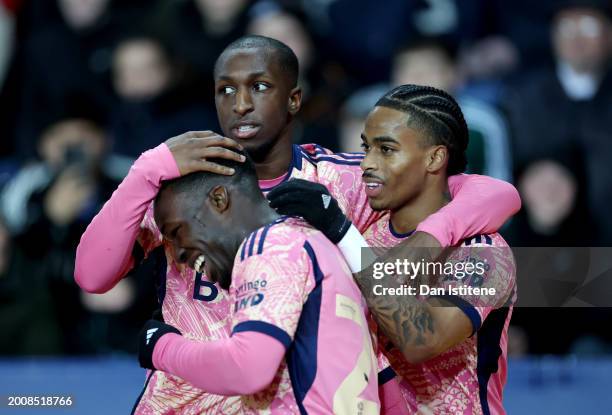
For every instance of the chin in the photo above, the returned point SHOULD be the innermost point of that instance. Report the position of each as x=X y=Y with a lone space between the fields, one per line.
x=259 y=147
x=377 y=205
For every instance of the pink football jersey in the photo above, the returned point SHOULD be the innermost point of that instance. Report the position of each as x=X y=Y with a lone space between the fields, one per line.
x=201 y=309
x=291 y=283
x=468 y=378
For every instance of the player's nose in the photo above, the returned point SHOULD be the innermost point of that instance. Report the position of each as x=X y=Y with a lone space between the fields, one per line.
x=243 y=104
x=368 y=163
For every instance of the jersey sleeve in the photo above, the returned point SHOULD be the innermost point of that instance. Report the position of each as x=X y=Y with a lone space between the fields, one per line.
x=493 y=267
x=480 y=205
x=270 y=290
x=241 y=365
x=106 y=250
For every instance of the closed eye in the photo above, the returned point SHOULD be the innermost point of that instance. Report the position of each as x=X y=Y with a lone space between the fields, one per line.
x=171 y=236
x=365 y=147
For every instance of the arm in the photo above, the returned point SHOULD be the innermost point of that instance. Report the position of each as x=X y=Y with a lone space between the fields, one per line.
x=234 y=366
x=425 y=329
x=421 y=330
x=104 y=254
x=480 y=205
x=247 y=361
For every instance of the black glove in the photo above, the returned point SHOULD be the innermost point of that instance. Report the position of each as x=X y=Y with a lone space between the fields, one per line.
x=313 y=202
x=152 y=331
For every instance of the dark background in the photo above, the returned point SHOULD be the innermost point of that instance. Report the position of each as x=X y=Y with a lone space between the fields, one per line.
x=86 y=86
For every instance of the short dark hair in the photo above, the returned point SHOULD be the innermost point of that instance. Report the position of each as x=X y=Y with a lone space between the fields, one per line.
x=438 y=114
x=285 y=56
x=199 y=183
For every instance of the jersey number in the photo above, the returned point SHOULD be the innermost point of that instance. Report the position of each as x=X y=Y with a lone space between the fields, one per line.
x=346 y=399
x=204 y=290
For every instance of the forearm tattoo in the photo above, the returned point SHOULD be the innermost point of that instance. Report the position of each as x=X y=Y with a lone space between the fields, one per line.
x=406 y=321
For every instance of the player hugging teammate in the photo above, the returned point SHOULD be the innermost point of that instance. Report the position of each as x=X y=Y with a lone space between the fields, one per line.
x=300 y=344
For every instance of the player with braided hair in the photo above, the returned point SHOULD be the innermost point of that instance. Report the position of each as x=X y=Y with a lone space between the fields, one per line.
x=257 y=97
x=448 y=349
x=448 y=127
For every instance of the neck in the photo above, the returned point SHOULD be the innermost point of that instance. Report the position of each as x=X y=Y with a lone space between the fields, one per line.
x=244 y=222
x=434 y=196
x=275 y=161
x=259 y=214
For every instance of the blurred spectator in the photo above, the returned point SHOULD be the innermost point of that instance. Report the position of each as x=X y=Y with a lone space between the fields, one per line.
x=581 y=38
x=8 y=92
x=66 y=64
x=199 y=30
x=7 y=27
x=29 y=323
x=47 y=207
x=563 y=113
x=155 y=102
x=322 y=81
x=144 y=69
x=524 y=23
x=353 y=114
x=364 y=35
x=220 y=16
x=432 y=62
x=549 y=192
x=486 y=65
x=271 y=21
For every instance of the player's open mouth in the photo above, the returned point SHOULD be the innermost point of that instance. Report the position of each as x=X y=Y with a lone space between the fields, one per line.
x=373 y=189
x=245 y=131
x=198 y=265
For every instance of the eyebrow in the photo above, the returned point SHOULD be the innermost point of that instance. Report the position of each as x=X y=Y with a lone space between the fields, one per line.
x=381 y=139
x=251 y=75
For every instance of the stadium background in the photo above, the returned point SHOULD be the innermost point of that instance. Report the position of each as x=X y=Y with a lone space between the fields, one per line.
x=86 y=85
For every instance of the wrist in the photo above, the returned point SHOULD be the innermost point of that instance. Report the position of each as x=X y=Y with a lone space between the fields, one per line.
x=352 y=247
x=338 y=229
x=157 y=164
x=150 y=336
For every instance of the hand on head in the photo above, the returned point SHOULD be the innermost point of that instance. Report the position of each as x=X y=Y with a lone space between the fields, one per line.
x=192 y=151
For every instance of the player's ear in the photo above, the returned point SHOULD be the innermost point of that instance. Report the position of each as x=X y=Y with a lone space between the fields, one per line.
x=436 y=158
x=295 y=100
x=218 y=197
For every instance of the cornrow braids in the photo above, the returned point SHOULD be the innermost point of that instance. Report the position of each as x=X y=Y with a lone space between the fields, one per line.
x=436 y=112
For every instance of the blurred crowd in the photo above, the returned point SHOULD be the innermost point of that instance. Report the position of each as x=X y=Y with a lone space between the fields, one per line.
x=87 y=85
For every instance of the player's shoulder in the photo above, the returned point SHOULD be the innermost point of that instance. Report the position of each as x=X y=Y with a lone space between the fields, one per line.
x=484 y=240
x=285 y=236
x=491 y=248
x=318 y=156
